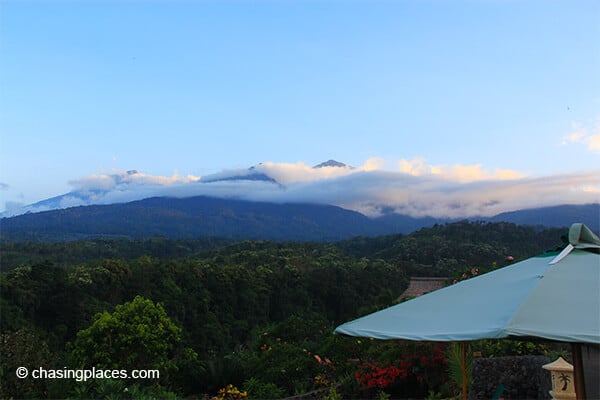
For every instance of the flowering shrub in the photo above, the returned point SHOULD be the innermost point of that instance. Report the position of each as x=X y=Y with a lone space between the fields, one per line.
x=322 y=380
x=420 y=364
x=371 y=375
x=230 y=392
x=470 y=273
x=467 y=274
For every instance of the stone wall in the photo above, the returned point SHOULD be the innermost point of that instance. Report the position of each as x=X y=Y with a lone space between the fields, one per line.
x=523 y=377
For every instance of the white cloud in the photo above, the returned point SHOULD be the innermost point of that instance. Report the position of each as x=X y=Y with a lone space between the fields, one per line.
x=587 y=135
x=591 y=189
x=414 y=188
x=120 y=179
x=435 y=195
x=373 y=164
x=594 y=142
x=457 y=172
x=13 y=208
x=73 y=201
x=285 y=173
x=94 y=182
x=415 y=167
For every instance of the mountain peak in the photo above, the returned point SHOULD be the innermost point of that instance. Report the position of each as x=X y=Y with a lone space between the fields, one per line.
x=331 y=163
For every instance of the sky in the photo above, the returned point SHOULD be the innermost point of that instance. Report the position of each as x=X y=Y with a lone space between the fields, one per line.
x=441 y=106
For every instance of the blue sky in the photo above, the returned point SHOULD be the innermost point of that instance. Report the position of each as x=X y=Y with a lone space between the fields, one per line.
x=497 y=88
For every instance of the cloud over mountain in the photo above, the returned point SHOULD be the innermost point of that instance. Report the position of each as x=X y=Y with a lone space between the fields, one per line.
x=410 y=187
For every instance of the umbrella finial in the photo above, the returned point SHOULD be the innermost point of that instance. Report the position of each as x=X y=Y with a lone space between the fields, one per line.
x=582 y=237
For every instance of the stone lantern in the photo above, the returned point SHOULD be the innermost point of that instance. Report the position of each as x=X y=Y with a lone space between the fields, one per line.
x=563 y=380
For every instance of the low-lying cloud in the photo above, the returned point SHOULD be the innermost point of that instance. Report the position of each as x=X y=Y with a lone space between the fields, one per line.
x=456 y=173
x=412 y=187
x=584 y=134
x=105 y=182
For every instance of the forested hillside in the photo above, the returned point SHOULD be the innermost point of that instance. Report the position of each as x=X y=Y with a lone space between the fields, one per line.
x=207 y=217
x=255 y=314
x=191 y=218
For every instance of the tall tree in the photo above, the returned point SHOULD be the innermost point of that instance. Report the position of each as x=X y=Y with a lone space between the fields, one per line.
x=136 y=335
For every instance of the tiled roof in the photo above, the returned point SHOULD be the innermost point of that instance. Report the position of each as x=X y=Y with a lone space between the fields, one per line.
x=421 y=285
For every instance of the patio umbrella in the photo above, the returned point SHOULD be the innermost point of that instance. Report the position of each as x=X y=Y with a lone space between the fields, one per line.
x=555 y=297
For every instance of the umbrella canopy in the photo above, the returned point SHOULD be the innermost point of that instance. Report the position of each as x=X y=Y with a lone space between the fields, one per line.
x=551 y=297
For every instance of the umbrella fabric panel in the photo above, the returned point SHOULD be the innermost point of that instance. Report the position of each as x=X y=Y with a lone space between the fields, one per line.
x=477 y=308
x=565 y=306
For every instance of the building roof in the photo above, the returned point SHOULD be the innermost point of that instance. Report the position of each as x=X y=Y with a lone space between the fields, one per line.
x=421 y=285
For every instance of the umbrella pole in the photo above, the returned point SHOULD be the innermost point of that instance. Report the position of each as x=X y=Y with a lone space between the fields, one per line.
x=578 y=371
x=463 y=360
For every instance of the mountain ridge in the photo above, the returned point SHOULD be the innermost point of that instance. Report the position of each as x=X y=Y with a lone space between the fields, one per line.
x=370 y=189
x=203 y=216
x=88 y=197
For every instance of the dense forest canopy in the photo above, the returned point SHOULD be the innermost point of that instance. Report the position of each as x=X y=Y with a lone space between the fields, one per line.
x=251 y=313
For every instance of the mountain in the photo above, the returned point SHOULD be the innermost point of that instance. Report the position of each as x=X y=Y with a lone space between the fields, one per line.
x=84 y=196
x=547 y=217
x=194 y=217
x=331 y=163
x=411 y=189
x=563 y=215
x=203 y=216
x=253 y=173
x=133 y=185
x=250 y=174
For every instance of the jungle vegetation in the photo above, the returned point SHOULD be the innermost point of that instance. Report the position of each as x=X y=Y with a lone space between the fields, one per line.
x=255 y=315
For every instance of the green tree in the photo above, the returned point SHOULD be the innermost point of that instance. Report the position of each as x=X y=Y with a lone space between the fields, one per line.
x=136 y=335
x=25 y=349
